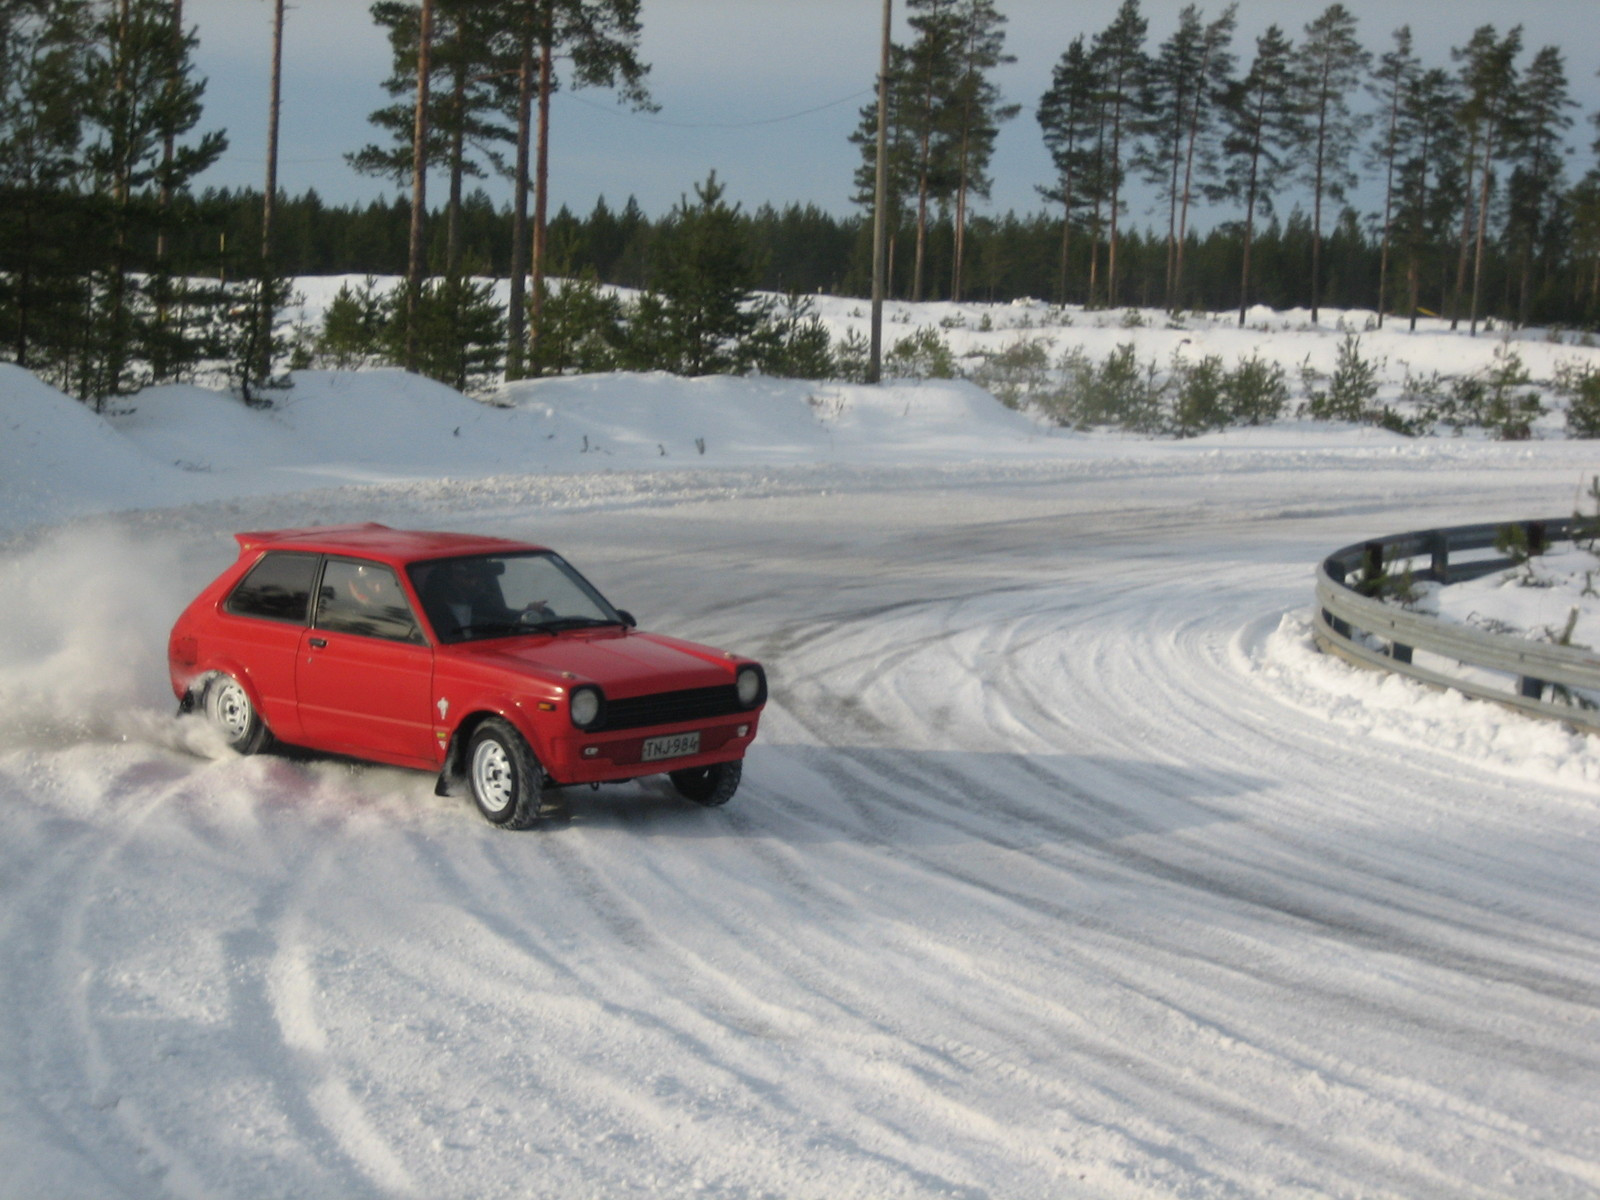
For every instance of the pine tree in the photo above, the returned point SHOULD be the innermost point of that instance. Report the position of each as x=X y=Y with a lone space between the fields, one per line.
x=1538 y=143
x=139 y=99
x=1489 y=83
x=1395 y=76
x=42 y=293
x=975 y=114
x=599 y=40
x=1069 y=117
x=1428 y=175
x=1265 y=125
x=927 y=71
x=698 y=312
x=1124 y=69
x=1331 y=64
x=465 y=99
x=1189 y=78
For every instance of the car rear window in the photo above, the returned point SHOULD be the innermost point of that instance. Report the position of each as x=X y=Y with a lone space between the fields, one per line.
x=278 y=588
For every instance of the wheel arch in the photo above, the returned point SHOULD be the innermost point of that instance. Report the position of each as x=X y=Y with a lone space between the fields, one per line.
x=453 y=770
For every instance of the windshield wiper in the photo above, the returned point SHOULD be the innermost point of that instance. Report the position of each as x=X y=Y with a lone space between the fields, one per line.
x=560 y=624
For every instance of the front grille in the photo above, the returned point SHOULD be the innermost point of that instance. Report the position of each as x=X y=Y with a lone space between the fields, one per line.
x=665 y=708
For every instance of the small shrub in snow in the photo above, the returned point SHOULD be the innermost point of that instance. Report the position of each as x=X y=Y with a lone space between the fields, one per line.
x=1509 y=410
x=1256 y=391
x=851 y=357
x=1120 y=392
x=921 y=355
x=1200 y=404
x=581 y=327
x=1351 y=389
x=1580 y=384
x=1208 y=396
x=1017 y=373
x=353 y=324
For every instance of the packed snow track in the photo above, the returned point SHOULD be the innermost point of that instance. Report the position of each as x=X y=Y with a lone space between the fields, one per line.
x=1063 y=867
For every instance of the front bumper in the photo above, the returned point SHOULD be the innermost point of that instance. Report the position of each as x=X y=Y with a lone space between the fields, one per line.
x=606 y=757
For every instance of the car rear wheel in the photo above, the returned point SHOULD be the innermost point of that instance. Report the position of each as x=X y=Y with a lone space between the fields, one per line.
x=228 y=709
x=505 y=778
x=711 y=786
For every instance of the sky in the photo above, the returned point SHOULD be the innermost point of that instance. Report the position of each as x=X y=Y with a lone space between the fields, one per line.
x=764 y=93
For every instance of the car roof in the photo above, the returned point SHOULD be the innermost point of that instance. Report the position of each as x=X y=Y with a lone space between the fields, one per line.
x=378 y=541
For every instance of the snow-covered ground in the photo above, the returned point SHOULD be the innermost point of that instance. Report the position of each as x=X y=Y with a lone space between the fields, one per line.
x=1064 y=866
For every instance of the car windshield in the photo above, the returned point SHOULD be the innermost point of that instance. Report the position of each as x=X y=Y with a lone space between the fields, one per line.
x=505 y=595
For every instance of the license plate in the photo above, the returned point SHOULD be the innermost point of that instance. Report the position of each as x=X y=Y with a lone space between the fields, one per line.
x=674 y=745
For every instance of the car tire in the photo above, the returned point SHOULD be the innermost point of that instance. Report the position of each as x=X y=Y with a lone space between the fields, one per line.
x=229 y=711
x=711 y=786
x=504 y=777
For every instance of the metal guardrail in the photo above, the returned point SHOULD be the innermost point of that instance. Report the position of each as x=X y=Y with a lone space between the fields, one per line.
x=1531 y=670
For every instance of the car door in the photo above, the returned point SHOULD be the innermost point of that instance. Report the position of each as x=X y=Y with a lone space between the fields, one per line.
x=364 y=678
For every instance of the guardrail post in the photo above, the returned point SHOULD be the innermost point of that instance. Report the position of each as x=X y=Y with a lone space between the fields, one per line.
x=1536 y=538
x=1371 y=569
x=1399 y=653
x=1530 y=689
x=1440 y=567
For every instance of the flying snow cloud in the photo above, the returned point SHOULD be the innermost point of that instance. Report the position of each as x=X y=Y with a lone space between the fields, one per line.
x=83 y=632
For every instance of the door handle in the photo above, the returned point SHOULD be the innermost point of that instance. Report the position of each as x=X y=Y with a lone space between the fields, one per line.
x=319 y=643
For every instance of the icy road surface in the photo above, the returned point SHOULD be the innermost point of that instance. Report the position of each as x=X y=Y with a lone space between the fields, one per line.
x=1062 y=868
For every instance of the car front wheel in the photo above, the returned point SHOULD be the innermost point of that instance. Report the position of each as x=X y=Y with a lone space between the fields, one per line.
x=505 y=778
x=711 y=786
x=228 y=709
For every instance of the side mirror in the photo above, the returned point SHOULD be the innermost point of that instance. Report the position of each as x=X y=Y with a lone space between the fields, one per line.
x=627 y=618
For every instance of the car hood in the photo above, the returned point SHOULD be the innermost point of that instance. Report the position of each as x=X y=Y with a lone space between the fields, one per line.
x=623 y=664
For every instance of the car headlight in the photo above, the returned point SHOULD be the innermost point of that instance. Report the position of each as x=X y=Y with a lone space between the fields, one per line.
x=751 y=685
x=585 y=706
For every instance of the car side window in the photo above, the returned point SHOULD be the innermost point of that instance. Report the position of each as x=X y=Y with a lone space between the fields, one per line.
x=277 y=588
x=364 y=598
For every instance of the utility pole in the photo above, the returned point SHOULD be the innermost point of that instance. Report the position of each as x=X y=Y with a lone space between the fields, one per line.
x=880 y=198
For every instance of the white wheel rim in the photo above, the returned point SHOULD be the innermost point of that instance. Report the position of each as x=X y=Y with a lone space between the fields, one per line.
x=231 y=708
x=492 y=781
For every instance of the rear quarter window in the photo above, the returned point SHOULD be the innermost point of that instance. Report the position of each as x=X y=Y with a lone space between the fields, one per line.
x=277 y=588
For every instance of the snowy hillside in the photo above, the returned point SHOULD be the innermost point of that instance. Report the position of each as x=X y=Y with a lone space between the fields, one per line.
x=1063 y=865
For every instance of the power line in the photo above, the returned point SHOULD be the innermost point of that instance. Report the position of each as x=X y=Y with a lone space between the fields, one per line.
x=805 y=112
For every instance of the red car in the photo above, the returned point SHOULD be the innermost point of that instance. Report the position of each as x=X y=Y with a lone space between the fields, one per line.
x=490 y=661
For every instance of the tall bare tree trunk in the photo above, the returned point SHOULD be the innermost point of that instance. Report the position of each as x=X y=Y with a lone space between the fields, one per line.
x=880 y=200
x=516 y=315
x=1483 y=228
x=416 y=261
x=541 y=192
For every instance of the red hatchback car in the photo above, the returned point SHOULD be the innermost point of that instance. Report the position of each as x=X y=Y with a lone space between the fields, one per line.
x=492 y=662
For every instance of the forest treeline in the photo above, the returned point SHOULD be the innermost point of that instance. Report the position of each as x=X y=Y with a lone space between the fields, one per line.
x=1189 y=170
